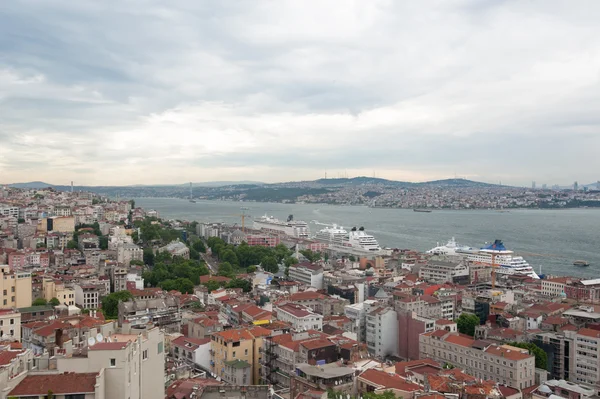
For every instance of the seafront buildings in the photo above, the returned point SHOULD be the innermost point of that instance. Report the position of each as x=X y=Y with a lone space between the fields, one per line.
x=351 y=322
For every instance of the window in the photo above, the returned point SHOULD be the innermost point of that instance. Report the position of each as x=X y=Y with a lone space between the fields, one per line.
x=233 y=355
x=75 y=396
x=12 y=321
x=160 y=347
x=246 y=352
x=145 y=354
x=5 y=292
x=113 y=362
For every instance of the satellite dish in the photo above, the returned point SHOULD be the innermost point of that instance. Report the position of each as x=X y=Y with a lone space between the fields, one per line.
x=100 y=337
x=91 y=341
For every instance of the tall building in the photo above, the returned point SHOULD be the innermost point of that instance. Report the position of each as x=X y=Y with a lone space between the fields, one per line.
x=575 y=186
x=533 y=185
x=587 y=358
x=15 y=288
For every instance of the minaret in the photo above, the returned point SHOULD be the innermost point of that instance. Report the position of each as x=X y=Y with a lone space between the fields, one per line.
x=71 y=185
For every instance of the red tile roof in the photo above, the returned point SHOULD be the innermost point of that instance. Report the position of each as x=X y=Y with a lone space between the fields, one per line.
x=61 y=384
x=109 y=346
x=588 y=332
x=234 y=335
x=384 y=380
x=7 y=356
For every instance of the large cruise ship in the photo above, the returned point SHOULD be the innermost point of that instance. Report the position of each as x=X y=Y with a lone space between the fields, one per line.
x=495 y=253
x=291 y=227
x=355 y=240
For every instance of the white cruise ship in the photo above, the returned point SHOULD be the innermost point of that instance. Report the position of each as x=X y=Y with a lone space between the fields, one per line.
x=291 y=227
x=496 y=253
x=355 y=240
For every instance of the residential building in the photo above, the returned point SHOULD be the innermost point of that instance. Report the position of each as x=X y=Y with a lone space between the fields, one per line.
x=15 y=288
x=88 y=295
x=118 y=279
x=36 y=313
x=10 y=325
x=507 y=365
x=237 y=345
x=560 y=351
x=410 y=327
x=378 y=381
x=423 y=305
x=262 y=240
x=439 y=271
x=163 y=312
x=14 y=364
x=56 y=289
x=322 y=378
x=300 y=317
x=127 y=252
x=382 y=332
x=202 y=327
x=562 y=389
x=71 y=385
x=587 y=358
x=192 y=351
x=357 y=313
x=307 y=273
x=555 y=286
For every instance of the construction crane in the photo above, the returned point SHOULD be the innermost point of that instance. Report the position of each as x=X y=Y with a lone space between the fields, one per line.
x=243 y=215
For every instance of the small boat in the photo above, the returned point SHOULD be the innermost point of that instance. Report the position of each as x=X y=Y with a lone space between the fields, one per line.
x=422 y=210
x=582 y=263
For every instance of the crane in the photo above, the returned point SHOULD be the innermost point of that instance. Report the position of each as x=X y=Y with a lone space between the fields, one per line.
x=243 y=215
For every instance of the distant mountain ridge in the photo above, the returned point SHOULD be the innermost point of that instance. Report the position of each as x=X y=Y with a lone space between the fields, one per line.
x=350 y=181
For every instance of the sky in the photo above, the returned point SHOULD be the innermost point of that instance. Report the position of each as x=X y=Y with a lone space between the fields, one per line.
x=119 y=92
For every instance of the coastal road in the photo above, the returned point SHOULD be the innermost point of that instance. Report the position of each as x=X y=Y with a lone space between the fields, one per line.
x=212 y=266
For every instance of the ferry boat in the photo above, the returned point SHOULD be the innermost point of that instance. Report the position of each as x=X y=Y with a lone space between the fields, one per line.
x=291 y=227
x=355 y=240
x=582 y=263
x=493 y=254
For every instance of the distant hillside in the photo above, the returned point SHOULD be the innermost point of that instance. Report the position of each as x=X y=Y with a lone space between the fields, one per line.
x=31 y=185
x=362 y=180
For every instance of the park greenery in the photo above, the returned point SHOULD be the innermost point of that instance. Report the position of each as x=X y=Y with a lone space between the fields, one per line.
x=244 y=255
x=175 y=273
x=466 y=323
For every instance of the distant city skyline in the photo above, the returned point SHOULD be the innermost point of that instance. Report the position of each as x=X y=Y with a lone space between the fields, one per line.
x=111 y=93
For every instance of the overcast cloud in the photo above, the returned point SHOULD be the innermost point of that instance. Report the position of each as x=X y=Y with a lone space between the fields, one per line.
x=133 y=92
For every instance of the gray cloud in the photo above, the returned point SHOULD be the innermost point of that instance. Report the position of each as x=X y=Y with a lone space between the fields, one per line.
x=115 y=93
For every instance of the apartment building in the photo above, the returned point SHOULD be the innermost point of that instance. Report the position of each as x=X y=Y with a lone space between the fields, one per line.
x=307 y=273
x=300 y=317
x=555 y=286
x=230 y=347
x=12 y=211
x=357 y=313
x=587 y=358
x=423 y=305
x=382 y=332
x=202 y=327
x=505 y=364
x=133 y=364
x=56 y=289
x=128 y=252
x=410 y=327
x=15 y=288
x=118 y=279
x=192 y=351
x=163 y=312
x=88 y=295
x=10 y=324
x=438 y=271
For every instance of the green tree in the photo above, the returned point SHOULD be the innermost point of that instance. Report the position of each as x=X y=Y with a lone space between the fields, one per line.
x=110 y=303
x=148 y=256
x=541 y=357
x=269 y=264
x=183 y=285
x=54 y=301
x=281 y=252
x=230 y=257
x=310 y=255
x=198 y=245
x=467 y=322
x=351 y=258
x=251 y=269
x=39 y=302
x=132 y=202
x=21 y=221
x=240 y=283
x=225 y=269
x=103 y=242
x=72 y=244
x=136 y=262
x=212 y=285
x=289 y=261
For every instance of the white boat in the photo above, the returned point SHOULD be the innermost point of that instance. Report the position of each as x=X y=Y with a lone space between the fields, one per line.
x=355 y=240
x=291 y=227
x=496 y=253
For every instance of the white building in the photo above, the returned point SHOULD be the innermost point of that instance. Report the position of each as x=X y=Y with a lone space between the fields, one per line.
x=587 y=358
x=444 y=271
x=357 y=313
x=138 y=280
x=382 y=332
x=192 y=351
x=128 y=252
x=309 y=274
x=9 y=211
x=87 y=295
x=300 y=317
x=10 y=325
x=555 y=286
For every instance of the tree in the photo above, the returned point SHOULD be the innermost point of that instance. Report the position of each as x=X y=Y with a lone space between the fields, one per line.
x=541 y=357
x=54 y=301
x=251 y=269
x=230 y=257
x=212 y=285
x=183 y=285
x=467 y=322
x=21 y=221
x=148 y=256
x=72 y=244
x=103 y=242
x=240 y=283
x=136 y=262
x=39 y=302
x=310 y=255
x=110 y=303
x=132 y=202
x=269 y=264
x=198 y=245
x=289 y=261
x=225 y=269
x=351 y=258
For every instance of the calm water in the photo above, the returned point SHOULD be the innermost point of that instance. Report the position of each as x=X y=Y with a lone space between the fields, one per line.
x=549 y=238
